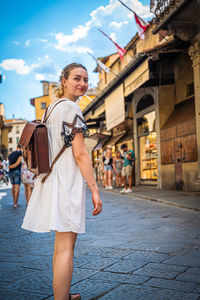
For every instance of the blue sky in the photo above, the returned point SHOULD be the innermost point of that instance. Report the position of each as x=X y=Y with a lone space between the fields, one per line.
x=38 y=38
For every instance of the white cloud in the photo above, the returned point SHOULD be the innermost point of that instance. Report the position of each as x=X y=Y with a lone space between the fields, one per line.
x=27 y=43
x=16 y=43
x=43 y=40
x=39 y=77
x=18 y=65
x=118 y=15
x=118 y=24
x=113 y=36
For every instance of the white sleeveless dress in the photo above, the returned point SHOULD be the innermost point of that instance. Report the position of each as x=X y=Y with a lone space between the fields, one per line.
x=59 y=203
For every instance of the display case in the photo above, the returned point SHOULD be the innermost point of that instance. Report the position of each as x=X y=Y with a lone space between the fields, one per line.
x=148 y=157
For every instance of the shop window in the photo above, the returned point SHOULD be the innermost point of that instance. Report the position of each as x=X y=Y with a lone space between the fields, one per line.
x=43 y=105
x=145 y=102
x=148 y=157
x=148 y=147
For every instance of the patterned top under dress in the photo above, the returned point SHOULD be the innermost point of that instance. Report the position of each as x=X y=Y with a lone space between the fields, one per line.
x=59 y=203
x=26 y=175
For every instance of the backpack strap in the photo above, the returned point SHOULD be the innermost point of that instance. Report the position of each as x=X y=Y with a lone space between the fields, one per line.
x=63 y=148
x=53 y=163
x=45 y=114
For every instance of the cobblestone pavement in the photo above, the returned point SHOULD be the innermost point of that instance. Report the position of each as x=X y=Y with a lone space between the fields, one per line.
x=136 y=249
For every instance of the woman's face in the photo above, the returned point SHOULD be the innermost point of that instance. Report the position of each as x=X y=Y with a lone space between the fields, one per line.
x=76 y=84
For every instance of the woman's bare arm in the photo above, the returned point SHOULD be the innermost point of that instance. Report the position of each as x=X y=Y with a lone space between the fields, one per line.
x=16 y=163
x=84 y=162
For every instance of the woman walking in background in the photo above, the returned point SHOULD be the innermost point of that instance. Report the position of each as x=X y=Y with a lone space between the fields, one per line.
x=59 y=203
x=117 y=167
x=107 y=167
x=27 y=180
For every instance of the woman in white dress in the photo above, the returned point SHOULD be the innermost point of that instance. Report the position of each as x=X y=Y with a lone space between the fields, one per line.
x=59 y=203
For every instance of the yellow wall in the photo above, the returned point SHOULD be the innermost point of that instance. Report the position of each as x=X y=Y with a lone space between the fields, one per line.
x=166 y=96
x=38 y=110
x=183 y=73
x=85 y=102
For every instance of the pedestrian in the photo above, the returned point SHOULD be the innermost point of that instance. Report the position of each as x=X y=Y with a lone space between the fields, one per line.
x=107 y=167
x=28 y=180
x=15 y=173
x=117 y=167
x=127 y=169
x=59 y=203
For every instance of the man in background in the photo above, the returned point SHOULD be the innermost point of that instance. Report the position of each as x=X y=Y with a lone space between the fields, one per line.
x=127 y=169
x=15 y=173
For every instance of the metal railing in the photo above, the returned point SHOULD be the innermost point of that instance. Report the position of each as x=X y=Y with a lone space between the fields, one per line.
x=161 y=7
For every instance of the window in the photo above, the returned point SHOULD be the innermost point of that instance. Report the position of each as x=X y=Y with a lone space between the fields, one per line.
x=190 y=89
x=17 y=129
x=17 y=140
x=43 y=105
x=10 y=140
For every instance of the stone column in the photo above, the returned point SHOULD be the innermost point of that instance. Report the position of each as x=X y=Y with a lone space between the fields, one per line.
x=194 y=52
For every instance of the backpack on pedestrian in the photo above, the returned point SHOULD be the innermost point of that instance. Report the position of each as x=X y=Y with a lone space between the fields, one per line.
x=35 y=146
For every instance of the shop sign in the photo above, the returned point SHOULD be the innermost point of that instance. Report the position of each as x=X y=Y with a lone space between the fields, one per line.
x=137 y=78
x=115 y=108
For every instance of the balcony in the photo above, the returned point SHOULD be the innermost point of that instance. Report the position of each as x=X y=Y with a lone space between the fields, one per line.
x=162 y=8
x=177 y=17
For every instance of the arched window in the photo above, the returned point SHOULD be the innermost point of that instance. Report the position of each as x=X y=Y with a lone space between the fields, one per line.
x=144 y=102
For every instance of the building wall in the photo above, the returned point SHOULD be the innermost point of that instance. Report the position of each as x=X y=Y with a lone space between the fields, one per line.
x=39 y=111
x=169 y=96
x=166 y=96
x=15 y=133
x=183 y=73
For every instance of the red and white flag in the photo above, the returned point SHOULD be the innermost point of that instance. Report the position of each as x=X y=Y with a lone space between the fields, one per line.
x=100 y=64
x=121 y=51
x=141 y=26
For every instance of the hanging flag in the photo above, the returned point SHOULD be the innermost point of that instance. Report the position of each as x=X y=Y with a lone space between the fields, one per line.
x=121 y=51
x=101 y=65
x=141 y=24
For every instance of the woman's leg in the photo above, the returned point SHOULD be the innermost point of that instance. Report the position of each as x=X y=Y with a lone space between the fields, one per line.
x=26 y=192
x=109 y=178
x=105 y=178
x=29 y=192
x=117 y=180
x=63 y=264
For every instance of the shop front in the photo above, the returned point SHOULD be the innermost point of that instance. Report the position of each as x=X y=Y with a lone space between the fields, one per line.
x=145 y=138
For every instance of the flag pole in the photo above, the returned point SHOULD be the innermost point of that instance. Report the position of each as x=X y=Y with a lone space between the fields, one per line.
x=96 y=60
x=135 y=13
x=112 y=41
x=126 y=6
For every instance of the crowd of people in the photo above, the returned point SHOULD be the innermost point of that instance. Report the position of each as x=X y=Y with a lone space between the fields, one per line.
x=14 y=168
x=118 y=168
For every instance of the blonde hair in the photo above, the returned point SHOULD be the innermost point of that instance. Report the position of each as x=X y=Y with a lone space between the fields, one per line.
x=59 y=92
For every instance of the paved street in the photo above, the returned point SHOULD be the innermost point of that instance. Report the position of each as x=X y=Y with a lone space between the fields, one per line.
x=136 y=249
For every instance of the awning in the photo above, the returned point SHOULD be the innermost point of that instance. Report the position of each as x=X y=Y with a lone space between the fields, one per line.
x=99 y=136
x=115 y=139
x=127 y=137
x=115 y=108
x=138 y=77
x=101 y=144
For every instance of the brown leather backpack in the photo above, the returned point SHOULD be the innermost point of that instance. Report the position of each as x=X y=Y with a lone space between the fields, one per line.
x=34 y=142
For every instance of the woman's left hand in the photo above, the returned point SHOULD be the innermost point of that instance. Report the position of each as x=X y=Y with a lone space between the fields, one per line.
x=97 y=203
